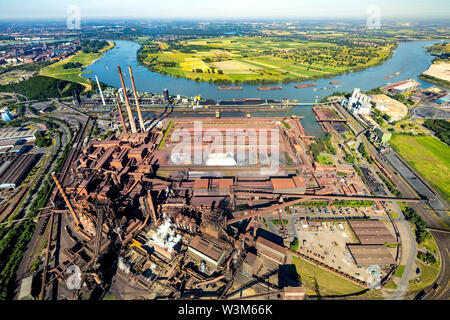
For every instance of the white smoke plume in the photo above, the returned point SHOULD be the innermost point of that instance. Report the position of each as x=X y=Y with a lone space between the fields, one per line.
x=124 y=265
x=166 y=237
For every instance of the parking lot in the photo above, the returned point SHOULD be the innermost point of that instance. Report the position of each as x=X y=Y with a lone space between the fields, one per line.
x=326 y=242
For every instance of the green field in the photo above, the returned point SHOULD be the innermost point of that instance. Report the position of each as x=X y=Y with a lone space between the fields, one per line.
x=325 y=160
x=57 y=71
x=316 y=279
x=429 y=156
x=257 y=60
x=428 y=274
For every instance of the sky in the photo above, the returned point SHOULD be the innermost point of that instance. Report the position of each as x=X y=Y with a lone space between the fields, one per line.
x=223 y=9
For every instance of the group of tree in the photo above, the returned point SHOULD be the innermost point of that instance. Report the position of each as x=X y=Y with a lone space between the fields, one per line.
x=41 y=88
x=321 y=145
x=72 y=65
x=379 y=116
x=403 y=99
x=428 y=257
x=93 y=46
x=364 y=153
x=43 y=141
x=421 y=233
x=440 y=127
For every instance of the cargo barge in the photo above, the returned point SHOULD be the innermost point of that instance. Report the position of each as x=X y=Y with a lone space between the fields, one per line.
x=334 y=82
x=308 y=85
x=269 y=88
x=391 y=76
x=230 y=88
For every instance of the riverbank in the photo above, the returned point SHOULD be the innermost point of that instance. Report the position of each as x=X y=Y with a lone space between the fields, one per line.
x=438 y=74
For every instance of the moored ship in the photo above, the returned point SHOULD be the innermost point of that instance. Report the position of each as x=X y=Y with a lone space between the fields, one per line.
x=269 y=88
x=308 y=85
x=230 y=88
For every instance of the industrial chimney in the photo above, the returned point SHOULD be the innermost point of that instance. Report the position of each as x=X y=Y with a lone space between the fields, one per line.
x=138 y=107
x=130 y=113
x=100 y=89
x=166 y=95
x=124 y=125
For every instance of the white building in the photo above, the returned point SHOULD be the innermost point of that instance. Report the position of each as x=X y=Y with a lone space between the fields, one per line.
x=359 y=103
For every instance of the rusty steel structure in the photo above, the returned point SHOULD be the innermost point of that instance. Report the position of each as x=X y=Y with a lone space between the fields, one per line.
x=175 y=233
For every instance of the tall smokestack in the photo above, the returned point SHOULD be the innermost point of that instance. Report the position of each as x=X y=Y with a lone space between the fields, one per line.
x=124 y=125
x=101 y=92
x=130 y=113
x=141 y=120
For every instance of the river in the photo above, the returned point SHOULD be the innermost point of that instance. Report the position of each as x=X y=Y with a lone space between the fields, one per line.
x=410 y=59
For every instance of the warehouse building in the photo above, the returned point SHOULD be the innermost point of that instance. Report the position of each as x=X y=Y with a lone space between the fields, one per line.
x=204 y=250
x=371 y=232
x=366 y=255
x=17 y=134
x=251 y=265
x=17 y=170
x=270 y=250
x=383 y=136
x=295 y=184
x=410 y=85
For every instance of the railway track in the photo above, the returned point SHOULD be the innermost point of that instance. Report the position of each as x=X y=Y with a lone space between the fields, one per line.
x=76 y=147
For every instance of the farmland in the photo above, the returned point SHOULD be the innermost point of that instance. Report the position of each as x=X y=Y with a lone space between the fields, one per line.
x=58 y=71
x=258 y=60
x=429 y=156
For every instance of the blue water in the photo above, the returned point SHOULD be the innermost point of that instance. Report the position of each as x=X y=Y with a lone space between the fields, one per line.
x=410 y=59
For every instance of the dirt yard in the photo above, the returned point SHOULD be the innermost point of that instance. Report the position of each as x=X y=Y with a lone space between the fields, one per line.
x=391 y=107
x=439 y=70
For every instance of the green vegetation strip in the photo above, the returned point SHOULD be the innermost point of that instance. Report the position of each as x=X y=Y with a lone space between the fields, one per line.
x=440 y=127
x=277 y=222
x=322 y=281
x=429 y=156
x=166 y=132
x=399 y=272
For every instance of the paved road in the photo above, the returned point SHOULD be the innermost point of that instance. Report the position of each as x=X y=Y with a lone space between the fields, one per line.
x=409 y=266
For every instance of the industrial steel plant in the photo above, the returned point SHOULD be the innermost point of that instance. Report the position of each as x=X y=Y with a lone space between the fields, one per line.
x=179 y=208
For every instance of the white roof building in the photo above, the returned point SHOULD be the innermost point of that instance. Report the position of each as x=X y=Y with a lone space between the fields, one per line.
x=359 y=103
